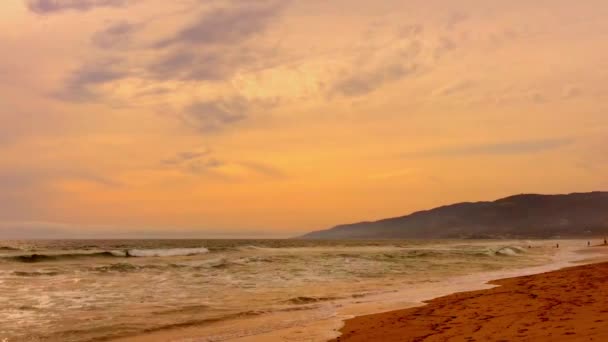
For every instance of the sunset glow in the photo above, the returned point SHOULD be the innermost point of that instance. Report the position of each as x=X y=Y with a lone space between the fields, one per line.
x=264 y=118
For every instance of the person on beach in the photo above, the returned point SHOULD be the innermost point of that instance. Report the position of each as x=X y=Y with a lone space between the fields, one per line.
x=588 y=243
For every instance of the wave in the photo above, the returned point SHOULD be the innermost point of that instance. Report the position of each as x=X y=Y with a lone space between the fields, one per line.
x=120 y=267
x=165 y=252
x=509 y=251
x=308 y=300
x=7 y=248
x=31 y=258
x=34 y=274
x=127 y=253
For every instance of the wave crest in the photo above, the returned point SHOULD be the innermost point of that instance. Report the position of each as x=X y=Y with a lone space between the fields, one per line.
x=127 y=253
x=509 y=251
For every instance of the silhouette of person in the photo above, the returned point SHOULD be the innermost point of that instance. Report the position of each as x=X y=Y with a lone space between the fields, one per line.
x=588 y=243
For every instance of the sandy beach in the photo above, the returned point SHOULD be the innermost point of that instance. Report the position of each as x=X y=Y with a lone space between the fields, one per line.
x=565 y=305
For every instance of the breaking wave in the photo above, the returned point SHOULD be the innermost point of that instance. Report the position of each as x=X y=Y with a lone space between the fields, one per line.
x=509 y=251
x=127 y=253
x=165 y=252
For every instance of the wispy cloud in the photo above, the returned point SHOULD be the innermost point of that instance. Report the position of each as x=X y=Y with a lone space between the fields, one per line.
x=409 y=52
x=216 y=46
x=184 y=157
x=263 y=169
x=114 y=35
x=226 y=26
x=365 y=81
x=212 y=116
x=505 y=148
x=55 y=6
x=205 y=163
x=81 y=83
x=208 y=65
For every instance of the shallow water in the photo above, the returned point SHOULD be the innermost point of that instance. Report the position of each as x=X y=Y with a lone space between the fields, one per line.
x=76 y=290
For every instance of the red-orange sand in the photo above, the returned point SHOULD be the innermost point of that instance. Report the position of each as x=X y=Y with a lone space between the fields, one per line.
x=565 y=305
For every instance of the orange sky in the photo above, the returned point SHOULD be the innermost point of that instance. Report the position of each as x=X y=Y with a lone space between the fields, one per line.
x=273 y=118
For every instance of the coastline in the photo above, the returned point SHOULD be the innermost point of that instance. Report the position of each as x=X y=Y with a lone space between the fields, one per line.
x=327 y=327
x=565 y=304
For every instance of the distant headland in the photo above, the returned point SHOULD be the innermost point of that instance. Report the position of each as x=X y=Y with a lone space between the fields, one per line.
x=520 y=216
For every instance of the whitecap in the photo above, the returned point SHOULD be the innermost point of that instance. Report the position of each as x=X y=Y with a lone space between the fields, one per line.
x=165 y=252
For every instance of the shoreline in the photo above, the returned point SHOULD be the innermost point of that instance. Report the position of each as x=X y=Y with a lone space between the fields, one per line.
x=568 y=303
x=327 y=328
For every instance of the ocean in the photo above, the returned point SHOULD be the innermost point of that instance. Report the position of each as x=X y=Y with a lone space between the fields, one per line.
x=216 y=290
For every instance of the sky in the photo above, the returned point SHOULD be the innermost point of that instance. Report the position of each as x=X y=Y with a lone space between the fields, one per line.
x=271 y=118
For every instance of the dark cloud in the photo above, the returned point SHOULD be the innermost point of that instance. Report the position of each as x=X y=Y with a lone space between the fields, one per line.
x=507 y=148
x=210 y=116
x=54 y=6
x=226 y=25
x=115 y=35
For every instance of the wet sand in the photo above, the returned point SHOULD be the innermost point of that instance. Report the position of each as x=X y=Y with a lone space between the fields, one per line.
x=565 y=305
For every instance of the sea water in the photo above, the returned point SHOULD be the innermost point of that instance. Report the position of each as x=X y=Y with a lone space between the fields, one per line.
x=78 y=290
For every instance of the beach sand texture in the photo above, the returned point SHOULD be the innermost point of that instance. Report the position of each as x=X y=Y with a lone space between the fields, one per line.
x=565 y=305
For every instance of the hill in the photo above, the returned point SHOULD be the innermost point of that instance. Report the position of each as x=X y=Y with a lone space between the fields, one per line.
x=519 y=216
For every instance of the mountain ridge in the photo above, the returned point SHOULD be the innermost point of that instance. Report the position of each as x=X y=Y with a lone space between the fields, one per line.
x=525 y=215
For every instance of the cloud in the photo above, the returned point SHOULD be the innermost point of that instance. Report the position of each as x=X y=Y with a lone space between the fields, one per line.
x=116 y=34
x=363 y=82
x=184 y=157
x=210 y=65
x=204 y=163
x=224 y=32
x=225 y=26
x=454 y=88
x=212 y=116
x=263 y=169
x=225 y=35
x=571 y=92
x=203 y=166
x=410 y=51
x=80 y=82
x=54 y=6
x=506 y=148
x=455 y=19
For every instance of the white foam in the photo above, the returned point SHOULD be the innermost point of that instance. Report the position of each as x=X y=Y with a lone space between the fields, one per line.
x=165 y=252
x=510 y=251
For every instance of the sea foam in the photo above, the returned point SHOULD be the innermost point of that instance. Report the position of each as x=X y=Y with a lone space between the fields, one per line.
x=165 y=252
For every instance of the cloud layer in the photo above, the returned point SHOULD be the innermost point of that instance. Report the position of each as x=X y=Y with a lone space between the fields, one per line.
x=293 y=115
